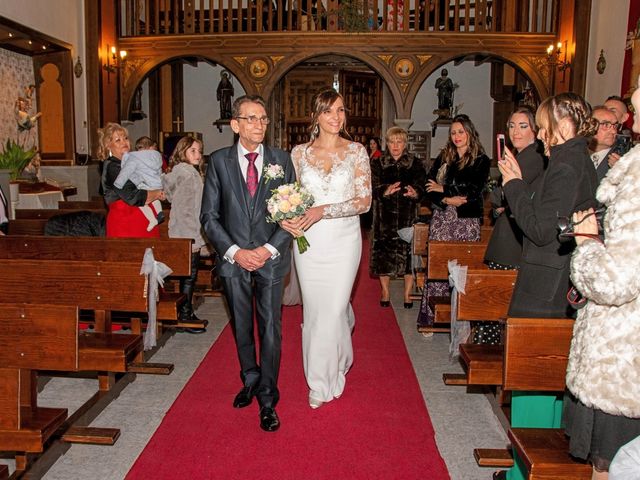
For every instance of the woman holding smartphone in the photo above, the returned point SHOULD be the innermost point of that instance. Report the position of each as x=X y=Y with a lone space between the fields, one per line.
x=504 y=250
x=568 y=185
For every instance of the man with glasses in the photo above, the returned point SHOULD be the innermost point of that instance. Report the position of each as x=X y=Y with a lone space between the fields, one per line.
x=253 y=255
x=620 y=110
x=602 y=142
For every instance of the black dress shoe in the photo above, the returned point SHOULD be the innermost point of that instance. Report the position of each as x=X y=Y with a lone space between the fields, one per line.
x=408 y=305
x=269 y=420
x=243 y=398
x=500 y=475
x=195 y=330
x=385 y=303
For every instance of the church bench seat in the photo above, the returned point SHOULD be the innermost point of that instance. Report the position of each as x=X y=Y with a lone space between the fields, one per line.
x=545 y=454
x=4 y=472
x=43 y=337
x=45 y=213
x=109 y=352
x=536 y=352
x=174 y=252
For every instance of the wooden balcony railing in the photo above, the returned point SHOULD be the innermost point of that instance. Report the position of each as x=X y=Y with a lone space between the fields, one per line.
x=179 y=17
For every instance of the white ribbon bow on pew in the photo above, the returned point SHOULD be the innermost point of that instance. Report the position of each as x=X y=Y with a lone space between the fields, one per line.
x=156 y=272
x=459 y=330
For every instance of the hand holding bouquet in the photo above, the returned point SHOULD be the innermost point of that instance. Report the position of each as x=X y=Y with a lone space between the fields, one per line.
x=287 y=202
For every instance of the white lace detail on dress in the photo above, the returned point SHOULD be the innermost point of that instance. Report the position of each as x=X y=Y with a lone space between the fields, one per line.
x=345 y=190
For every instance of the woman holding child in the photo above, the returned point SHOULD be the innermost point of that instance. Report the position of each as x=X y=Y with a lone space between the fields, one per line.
x=124 y=218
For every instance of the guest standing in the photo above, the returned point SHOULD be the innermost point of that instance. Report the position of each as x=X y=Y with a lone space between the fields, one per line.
x=504 y=249
x=124 y=218
x=336 y=171
x=397 y=181
x=454 y=185
x=567 y=185
x=602 y=407
x=183 y=186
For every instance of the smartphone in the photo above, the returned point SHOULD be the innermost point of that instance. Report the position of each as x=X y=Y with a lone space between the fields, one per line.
x=622 y=145
x=500 y=145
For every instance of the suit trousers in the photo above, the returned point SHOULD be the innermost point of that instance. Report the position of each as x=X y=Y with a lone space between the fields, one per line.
x=240 y=293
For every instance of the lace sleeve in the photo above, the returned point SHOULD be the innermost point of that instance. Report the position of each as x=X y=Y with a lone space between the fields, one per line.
x=296 y=155
x=361 y=201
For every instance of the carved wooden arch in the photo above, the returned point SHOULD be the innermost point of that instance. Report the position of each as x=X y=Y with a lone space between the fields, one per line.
x=535 y=67
x=281 y=68
x=136 y=70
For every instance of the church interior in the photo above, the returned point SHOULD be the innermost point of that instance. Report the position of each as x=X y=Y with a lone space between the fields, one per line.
x=169 y=68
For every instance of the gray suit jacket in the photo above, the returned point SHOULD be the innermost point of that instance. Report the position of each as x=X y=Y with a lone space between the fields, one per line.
x=230 y=216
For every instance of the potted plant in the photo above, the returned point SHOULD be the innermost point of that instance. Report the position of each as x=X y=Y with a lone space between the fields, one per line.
x=14 y=157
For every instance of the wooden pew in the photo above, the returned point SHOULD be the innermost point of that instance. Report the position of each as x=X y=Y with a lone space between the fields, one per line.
x=36 y=226
x=536 y=352
x=97 y=204
x=438 y=256
x=174 y=252
x=91 y=285
x=487 y=297
x=35 y=337
x=536 y=355
x=4 y=472
x=43 y=213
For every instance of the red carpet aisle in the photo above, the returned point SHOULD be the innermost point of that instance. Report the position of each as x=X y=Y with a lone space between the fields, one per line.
x=378 y=429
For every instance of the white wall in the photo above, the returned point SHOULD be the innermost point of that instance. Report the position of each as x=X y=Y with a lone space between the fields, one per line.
x=473 y=96
x=608 y=32
x=201 y=108
x=63 y=20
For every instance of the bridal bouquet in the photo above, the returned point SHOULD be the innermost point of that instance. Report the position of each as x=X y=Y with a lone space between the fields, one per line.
x=287 y=202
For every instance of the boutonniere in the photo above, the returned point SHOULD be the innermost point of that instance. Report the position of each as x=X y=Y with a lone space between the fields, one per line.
x=272 y=171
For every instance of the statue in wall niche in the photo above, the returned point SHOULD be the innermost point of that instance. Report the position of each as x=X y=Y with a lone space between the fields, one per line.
x=224 y=94
x=445 y=87
x=136 y=106
x=26 y=121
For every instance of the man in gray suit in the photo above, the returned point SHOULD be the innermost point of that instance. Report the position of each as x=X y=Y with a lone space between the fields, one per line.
x=602 y=141
x=253 y=255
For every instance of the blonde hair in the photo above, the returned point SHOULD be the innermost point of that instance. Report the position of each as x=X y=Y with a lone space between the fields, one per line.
x=396 y=132
x=104 y=138
x=179 y=154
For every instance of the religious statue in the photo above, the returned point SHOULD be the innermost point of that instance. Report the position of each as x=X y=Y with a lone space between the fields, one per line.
x=445 y=88
x=136 y=106
x=25 y=120
x=224 y=94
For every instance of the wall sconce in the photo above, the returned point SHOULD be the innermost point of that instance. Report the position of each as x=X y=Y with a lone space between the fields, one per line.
x=113 y=62
x=557 y=57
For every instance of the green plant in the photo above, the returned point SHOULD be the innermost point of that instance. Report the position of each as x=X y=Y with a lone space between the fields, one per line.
x=351 y=16
x=15 y=157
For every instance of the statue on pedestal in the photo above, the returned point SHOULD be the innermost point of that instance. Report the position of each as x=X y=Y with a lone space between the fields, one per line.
x=445 y=88
x=224 y=94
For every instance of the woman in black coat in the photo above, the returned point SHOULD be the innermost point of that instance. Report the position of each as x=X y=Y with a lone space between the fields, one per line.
x=504 y=250
x=455 y=184
x=397 y=180
x=567 y=185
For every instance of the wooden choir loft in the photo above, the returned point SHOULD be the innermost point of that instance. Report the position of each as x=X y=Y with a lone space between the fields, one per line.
x=277 y=48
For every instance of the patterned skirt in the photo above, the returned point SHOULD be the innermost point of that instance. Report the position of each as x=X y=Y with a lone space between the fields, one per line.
x=445 y=226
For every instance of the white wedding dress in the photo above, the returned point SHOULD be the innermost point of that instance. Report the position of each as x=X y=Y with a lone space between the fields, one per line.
x=328 y=268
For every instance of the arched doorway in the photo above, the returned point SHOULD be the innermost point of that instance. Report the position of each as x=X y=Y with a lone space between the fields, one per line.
x=369 y=103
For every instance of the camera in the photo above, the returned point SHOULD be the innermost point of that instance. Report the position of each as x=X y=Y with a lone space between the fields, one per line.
x=622 y=145
x=566 y=224
x=500 y=143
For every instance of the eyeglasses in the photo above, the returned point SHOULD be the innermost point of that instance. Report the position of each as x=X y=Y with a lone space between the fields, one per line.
x=252 y=120
x=606 y=125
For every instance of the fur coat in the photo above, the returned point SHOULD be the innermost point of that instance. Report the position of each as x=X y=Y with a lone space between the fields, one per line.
x=604 y=361
x=183 y=186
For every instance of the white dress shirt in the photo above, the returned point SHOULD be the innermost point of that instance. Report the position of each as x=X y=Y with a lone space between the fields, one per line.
x=244 y=163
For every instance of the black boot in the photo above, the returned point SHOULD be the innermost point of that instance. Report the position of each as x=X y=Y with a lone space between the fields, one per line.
x=186 y=286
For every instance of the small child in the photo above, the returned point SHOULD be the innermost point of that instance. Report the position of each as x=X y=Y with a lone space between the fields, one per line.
x=144 y=169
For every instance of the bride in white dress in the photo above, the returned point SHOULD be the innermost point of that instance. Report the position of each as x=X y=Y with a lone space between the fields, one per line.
x=336 y=172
